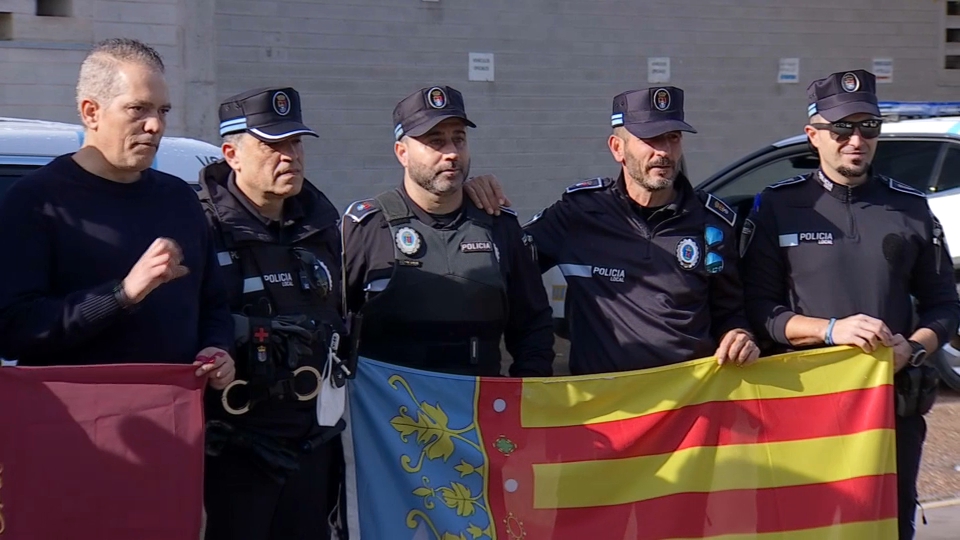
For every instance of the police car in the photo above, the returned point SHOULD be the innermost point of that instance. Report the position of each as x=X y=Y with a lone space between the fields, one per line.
x=919 y=145
x=27 y=144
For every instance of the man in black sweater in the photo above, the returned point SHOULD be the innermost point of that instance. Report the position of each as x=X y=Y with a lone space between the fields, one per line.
x=111 y=261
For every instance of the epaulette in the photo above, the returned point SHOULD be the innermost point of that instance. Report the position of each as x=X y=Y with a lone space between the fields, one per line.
x=508 y=210
x=596 y=183
x=721 y=209
x=788 y=182
x=361 y=210
x=902 y=188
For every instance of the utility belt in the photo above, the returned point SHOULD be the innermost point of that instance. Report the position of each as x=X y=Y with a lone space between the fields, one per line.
x=276 y=457
x=278 y=352
x=916 y=390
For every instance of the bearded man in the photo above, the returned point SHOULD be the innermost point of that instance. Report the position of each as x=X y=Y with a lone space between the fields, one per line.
x=433 y=282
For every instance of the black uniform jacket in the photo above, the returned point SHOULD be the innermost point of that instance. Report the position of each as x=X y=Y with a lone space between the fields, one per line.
x=642 y=291
x=309 y=221
x=820 y=249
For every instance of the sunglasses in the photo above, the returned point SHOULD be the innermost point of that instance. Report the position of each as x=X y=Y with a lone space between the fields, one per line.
x=869 y=129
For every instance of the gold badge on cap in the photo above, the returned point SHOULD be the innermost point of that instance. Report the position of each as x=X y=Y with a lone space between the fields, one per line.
x=281 y=103
x=437 y=98
x=850 y=82
x=661 y=99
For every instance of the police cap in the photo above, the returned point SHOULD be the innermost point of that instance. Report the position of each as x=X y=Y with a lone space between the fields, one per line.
x=419 y=112
x=842 y=94
x=269 y=114
x=650 y=112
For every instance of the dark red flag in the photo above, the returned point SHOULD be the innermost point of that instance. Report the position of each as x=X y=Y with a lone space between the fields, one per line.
x=97 y=452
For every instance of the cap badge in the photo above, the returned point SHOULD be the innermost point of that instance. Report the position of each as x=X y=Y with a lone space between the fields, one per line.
x=688 y=253
x=437 y=98
x=661 y=99
x=850 y=82
x=408 y=240
x=281 y=103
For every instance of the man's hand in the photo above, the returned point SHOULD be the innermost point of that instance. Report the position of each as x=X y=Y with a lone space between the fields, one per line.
x=485 y=192
x=862 y=331
x=737 y=347
x=217 y=365
x=901 y=352
x=161 y=263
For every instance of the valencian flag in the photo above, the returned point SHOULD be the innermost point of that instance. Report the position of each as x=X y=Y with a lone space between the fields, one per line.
x=101 y=452
x=796 y=447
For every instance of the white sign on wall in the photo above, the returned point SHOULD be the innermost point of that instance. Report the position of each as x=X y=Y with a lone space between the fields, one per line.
x=480 y=66
x=789 y=71
x=658 y=70
x=883 y=69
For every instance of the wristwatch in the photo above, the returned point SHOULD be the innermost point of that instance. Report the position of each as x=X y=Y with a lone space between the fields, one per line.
x=918 y=353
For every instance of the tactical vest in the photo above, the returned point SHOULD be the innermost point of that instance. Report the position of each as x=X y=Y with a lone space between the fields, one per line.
x=444 y=307
x=283 y=332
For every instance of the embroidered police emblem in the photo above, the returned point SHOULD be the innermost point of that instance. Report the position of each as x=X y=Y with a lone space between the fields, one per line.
x=661 y=99
x=714 y=263
x=365 y=205
x=281 y=103
x=408 y=240
x=850 y=82
x=688 y=253
x=437 y=98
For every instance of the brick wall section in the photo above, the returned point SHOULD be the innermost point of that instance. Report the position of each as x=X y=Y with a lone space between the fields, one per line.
x=544 y=121
x=39 y=67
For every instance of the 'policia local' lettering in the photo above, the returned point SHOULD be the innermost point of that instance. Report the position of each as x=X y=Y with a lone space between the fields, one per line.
x=285 y=279
x=615 y=274
x=818 y=237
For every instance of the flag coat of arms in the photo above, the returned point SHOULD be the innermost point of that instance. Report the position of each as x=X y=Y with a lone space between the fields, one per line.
x=796 y=447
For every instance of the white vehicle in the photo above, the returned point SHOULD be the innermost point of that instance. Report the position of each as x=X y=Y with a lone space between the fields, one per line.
x=919 y=145
x=26 y=145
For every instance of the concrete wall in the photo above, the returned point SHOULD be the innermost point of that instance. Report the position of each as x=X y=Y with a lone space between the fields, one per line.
x=543 y=121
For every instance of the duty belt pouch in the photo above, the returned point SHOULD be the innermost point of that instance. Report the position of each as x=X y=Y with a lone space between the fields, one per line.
x=916 y=390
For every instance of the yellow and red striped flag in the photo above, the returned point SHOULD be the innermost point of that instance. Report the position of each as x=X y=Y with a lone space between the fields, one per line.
x=797 y=447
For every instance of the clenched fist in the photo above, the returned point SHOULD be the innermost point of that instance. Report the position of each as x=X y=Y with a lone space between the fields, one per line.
x=161 y=263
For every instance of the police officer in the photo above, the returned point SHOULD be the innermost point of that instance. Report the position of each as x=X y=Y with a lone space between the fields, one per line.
x=651 y=265
x=434 y=282
x=837 y=257
x=269 y=459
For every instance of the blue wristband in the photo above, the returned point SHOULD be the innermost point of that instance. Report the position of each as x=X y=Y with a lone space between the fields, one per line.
x=828 y=337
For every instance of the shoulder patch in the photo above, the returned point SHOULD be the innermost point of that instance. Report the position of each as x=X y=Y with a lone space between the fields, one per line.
x=596 y=183
x=903 y=188
x=508 y=210
x=721 y=209
x=361 y=210
x=536 y=216
x=788 y=182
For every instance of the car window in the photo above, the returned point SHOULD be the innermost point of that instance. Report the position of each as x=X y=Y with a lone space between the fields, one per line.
x=10 y=174
x=754 y=180
x=910 y=162
x=950 y=171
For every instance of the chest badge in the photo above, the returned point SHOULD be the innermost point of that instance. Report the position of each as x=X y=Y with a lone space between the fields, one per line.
x=408 y=240
x=688 y=253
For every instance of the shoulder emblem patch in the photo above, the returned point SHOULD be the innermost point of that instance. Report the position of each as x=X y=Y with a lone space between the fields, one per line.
x=596 y=183
x=508 y=210
x=788 y=182
x=903 y=188
x=360 y=210
x=721 y=209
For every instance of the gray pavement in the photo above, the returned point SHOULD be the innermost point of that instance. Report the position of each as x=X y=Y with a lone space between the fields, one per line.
x=943 y=521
